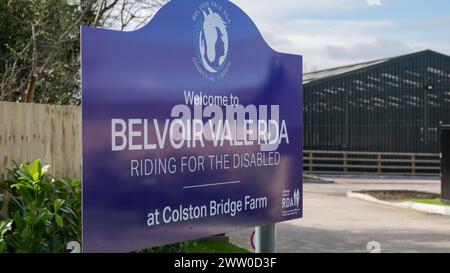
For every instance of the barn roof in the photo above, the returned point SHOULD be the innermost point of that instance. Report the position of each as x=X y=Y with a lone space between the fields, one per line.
x=348 y=69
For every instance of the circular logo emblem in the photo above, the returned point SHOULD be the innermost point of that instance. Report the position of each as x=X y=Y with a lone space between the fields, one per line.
x=211 y=42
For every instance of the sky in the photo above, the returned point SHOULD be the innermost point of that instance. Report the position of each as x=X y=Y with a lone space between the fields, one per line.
x=330 y=33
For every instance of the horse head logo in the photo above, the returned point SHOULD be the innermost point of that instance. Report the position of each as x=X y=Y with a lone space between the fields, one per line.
x=213 y=41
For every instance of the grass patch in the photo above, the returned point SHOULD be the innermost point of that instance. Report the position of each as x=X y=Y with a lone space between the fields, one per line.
x=204 y=246
x=429 y=201
x=198 y=246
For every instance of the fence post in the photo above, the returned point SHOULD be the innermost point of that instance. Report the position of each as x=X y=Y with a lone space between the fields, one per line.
x=345 y=162
x=311 y=161
x=413 y=164
x=379 y=164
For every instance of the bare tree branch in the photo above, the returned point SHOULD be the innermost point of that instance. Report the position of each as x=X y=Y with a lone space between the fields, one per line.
x=34 y=76
x=58 y=42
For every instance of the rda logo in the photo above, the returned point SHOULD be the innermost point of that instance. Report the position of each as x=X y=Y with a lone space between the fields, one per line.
x=290 y=203
x=211 y=41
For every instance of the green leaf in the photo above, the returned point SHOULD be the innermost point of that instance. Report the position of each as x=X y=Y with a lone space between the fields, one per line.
x=24 y=174
x=15 y=165
x=2 y=245
x=5 y=226
x=15 y=242
x=44 y=216
x=18 y=201
x=59 y=221
x=57 y=205
x=68 y=210
x=26 y=233
x=18 y=220
x=36 y=170
x=57 y=245
x=26 y=195
x=22 y=185
x=26 y=168
x=36 y=176
x=29 y=219
x=41 y=198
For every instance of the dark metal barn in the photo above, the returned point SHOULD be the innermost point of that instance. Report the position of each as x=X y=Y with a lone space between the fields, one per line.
x=390 y=105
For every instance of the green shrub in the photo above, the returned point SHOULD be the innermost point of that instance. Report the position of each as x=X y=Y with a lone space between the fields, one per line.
x=44 y=213
x=5 y=226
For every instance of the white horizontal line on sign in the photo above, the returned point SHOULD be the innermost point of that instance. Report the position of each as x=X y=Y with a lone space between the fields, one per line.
x=211 y=184
x=292 y=210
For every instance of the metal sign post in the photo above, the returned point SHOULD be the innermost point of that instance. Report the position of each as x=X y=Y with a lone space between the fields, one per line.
x=445 y=163
x=265 y=239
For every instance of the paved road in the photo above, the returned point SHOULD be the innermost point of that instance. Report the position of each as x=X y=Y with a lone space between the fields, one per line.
x=334 y=223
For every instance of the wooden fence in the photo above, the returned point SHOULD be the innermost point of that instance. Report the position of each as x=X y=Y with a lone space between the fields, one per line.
x=367 y=162
x=49 y=132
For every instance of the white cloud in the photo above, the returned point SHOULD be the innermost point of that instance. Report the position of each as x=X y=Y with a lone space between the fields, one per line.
x=306 y=27
x=325 y=43
x=378 y=49
x=280 y=9
x=320 y=41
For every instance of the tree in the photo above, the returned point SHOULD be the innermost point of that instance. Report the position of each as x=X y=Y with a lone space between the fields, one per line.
x=40 y=43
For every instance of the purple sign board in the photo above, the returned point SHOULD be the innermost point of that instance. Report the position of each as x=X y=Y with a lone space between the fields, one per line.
x=192 y=126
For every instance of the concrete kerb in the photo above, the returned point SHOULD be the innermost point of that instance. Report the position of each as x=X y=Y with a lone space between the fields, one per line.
x=307 y=178
x=427 y=208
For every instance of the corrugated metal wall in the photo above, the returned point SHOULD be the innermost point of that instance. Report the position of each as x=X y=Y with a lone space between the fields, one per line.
x=383 y=108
